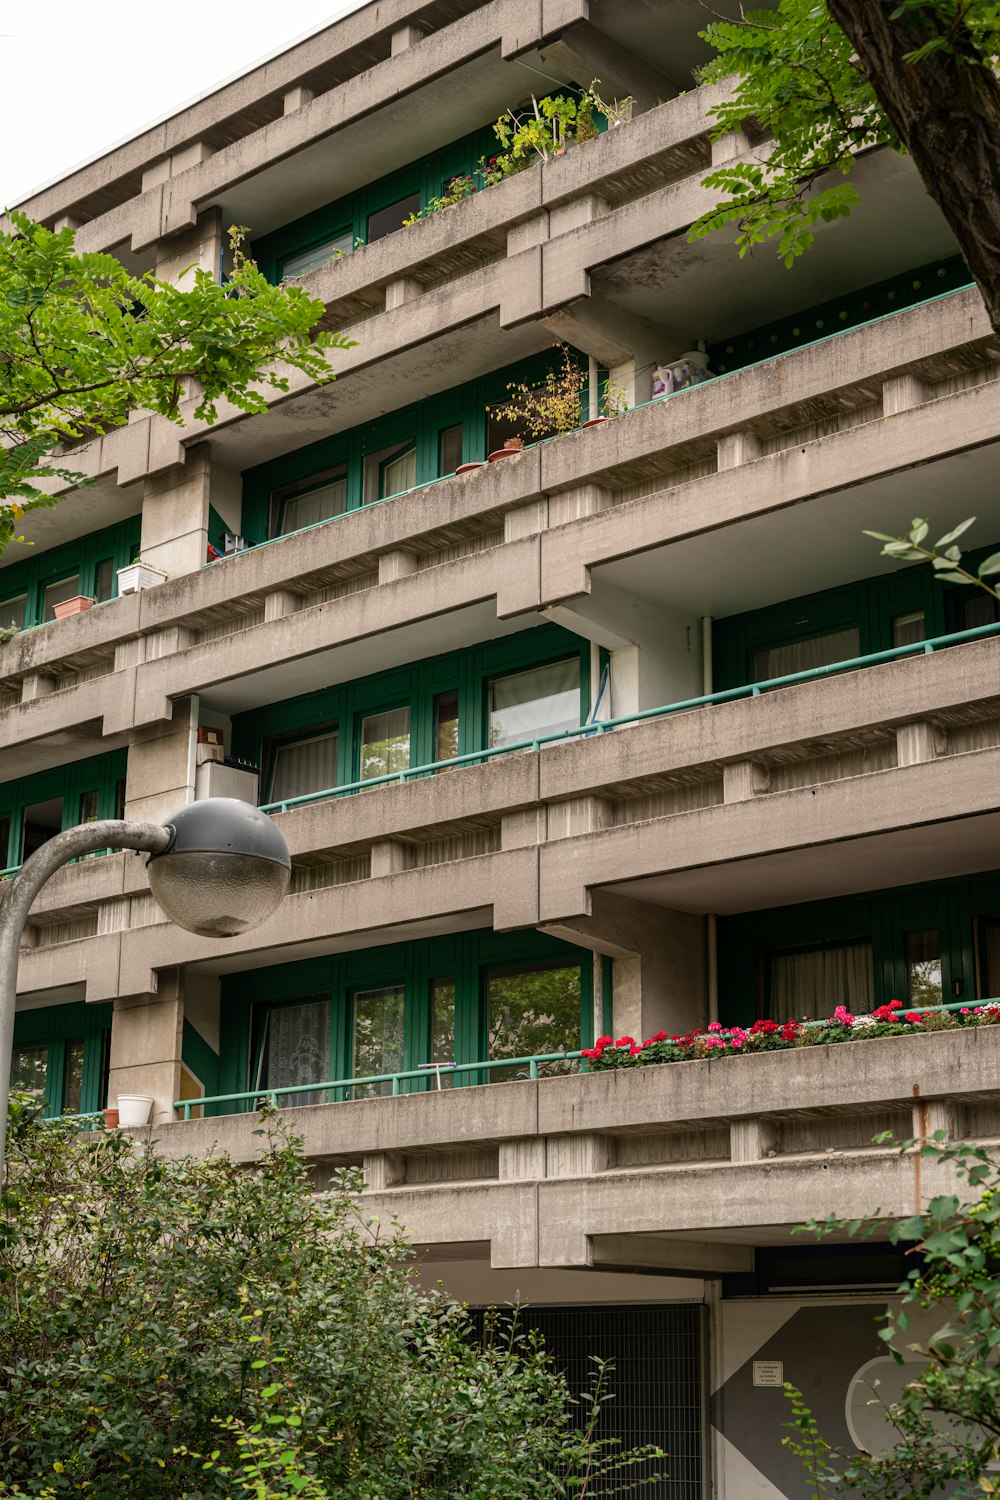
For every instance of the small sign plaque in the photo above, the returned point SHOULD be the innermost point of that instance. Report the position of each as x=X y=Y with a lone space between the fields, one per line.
x=768 y=1372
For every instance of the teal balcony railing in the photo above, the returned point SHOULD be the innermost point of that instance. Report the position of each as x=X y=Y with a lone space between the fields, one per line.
x=603 y=726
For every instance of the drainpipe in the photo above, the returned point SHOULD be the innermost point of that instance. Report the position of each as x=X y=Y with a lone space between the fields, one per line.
x=593 y=394
x=706 y=655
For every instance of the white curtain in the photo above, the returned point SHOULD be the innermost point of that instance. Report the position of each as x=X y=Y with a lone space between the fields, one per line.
x=810 y=983
x=401 y=474
x=804 y=656
x=315 y=505
x=541 y=701
x=297 y=1049
x=385 y=743
x=303 y=767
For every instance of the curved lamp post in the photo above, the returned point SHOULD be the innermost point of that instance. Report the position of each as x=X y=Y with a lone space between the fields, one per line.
x=217 y=867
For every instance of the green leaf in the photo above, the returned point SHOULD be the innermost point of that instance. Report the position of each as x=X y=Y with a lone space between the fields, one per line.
x=990 y=566
x=954 y=535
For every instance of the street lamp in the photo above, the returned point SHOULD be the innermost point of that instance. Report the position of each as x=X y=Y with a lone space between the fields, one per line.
x=217 y=867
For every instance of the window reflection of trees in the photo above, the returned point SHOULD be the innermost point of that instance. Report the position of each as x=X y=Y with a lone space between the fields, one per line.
x=534 y=1011
x=378 y=1037
x=29 y=1067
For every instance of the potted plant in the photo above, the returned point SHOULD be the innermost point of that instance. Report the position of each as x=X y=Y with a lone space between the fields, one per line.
x=8 y=632
x=110 y=1119
x=473 y=463
x=614 y=404
x=138 y=575
x=550 y=408
x=512 y=446
x=78 y=605
x=134 y=1109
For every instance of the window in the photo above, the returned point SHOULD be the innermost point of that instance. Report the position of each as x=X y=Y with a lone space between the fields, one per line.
x=449 y=449
x=809 y=983
x=981 y=609
x=923 y=968
x=29 y=1068
x=804 y=656
x=12 y=612
x=58 y=593
x=104 y=579
x=72 y=1078
x=320 y=255
x=443 y=1027
x=446 y=726
x=295 y=1049
x=310 y=500
x=387 y=219
x=398 y=474
x=540 y=701
x=385 y=743
x=4 y=843
x=89 y=807
x=907 y=630
x=40 y=822
x=304 y=766
x=532 y=1011
x=378 y=1037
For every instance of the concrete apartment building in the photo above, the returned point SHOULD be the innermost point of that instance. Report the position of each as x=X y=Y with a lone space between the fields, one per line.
x=833 y=839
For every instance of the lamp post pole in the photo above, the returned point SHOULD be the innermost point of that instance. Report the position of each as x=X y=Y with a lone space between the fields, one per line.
x=219 y=867
x=19 y=893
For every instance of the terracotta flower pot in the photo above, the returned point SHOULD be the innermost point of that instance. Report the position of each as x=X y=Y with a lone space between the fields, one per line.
x=78 y=605
x=478 y=463
x=111 y=1119
x=595 y=422
x=500 y=453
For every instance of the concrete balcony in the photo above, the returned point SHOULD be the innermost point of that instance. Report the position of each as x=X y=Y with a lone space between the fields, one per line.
x=680 y=1167
x=808 y=791
x=633 y=508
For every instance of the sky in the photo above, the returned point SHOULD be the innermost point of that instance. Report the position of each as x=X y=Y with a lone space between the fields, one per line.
x=79 y=78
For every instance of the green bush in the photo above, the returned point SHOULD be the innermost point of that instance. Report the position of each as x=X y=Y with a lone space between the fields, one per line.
x=191 y=1330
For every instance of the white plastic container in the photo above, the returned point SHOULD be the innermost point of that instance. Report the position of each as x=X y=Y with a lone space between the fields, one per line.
x=139 y=575
x=134 y=1109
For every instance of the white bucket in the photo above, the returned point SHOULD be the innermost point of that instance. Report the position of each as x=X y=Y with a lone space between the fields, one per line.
x=134 y=1109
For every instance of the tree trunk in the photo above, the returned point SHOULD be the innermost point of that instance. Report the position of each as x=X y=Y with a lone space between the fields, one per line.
x=946 y=109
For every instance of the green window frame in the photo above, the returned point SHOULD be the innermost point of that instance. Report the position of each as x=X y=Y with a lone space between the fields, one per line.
x=88 y=789
x=461 y=960
x=84 y=562
x=364 y=452
x=956 y=911
x=464 y=676
x=57 y=1031
x=871 y=606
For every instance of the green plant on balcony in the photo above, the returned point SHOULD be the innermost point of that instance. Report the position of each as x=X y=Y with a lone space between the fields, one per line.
x=944 y=555
x=552 y=407
x=8 y=632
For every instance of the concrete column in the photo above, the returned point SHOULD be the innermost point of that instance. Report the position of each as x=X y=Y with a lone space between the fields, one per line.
x=752 y=1140
x=522 y=830
x=743 y=780
x=579 y=211
x=736 y=448
x=383 y=1169
x=522 y=1160
x=389 y=856
x=296 y=98
x=530 y=232
x=659 y=974
x=67 y=221
x=903 y=392
x=403 y=289
x=179 y=161
x=394 y=565
x=404 y=37
x=933 y=1115
x=146 y=1036
x=175 y=515
x=916 y=743
x=577 y=815
x=280 y=603
x=198 y=248
x=729 y=146
x=574 y=504
x=161 y=766
x=36 y=685
x=526 y=520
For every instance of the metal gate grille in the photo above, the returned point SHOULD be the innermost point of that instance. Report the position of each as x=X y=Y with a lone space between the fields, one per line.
x=656 y=1353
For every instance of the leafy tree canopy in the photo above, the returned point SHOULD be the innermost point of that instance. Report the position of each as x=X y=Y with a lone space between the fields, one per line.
x=83 y=343
x=829 y=81
x=173 y=1329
